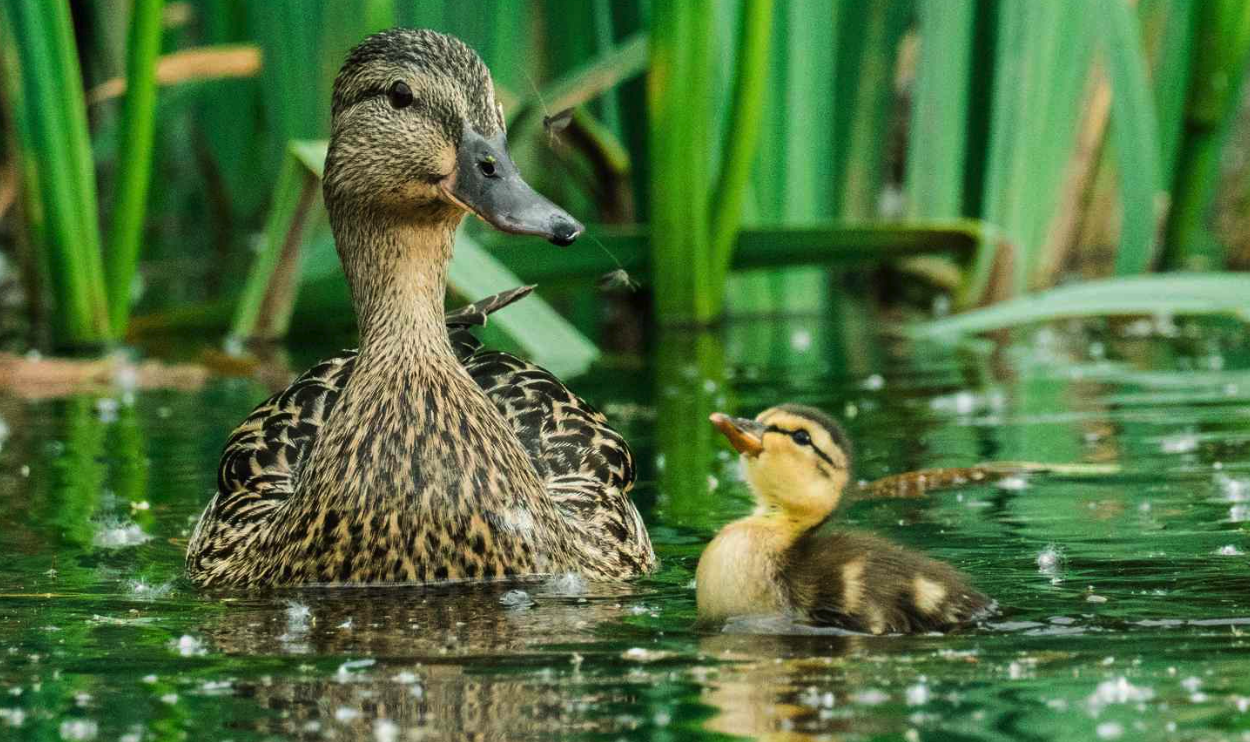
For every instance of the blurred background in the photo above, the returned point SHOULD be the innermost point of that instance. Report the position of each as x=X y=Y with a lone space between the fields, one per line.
x=911 y=159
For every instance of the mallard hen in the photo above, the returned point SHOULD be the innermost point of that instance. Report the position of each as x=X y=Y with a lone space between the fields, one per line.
x=421 y=456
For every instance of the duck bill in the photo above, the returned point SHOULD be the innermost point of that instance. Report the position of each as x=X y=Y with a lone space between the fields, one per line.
x=486 y=182
x=746 y=436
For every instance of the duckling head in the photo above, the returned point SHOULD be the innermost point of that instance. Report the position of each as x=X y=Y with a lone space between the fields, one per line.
x=797 y=460
x=417 y=136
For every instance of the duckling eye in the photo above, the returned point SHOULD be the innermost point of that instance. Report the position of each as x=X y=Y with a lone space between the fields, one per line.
x=400 y=95
x=802 y=438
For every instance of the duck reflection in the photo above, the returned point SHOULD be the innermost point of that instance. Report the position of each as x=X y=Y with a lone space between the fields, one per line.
x=422 y=662
x=767 y=688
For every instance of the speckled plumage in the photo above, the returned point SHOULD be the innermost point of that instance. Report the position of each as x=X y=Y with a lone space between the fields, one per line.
x=422 y=456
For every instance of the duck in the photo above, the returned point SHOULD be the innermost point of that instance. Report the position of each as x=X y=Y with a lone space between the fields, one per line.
x=421 y=456
x=786 y=559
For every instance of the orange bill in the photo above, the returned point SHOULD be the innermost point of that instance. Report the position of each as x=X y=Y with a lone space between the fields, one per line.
x=746 y=436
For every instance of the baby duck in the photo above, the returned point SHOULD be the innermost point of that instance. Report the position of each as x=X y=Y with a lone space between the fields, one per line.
x=780 y=560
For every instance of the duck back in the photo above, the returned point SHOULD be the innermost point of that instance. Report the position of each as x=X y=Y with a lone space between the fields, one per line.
x=865 y=583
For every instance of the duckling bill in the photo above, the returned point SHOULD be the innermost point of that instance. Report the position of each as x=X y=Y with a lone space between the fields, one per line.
x=782 y=559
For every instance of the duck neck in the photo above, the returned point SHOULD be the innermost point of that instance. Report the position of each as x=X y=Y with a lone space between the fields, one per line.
x=786 y=525
x=397 y=271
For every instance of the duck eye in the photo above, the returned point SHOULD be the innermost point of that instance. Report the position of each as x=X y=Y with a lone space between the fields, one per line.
x=400 y=95
x=487 y=166
x=802 y=438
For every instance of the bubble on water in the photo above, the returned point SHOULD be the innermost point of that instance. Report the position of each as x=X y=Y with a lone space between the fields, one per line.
x=917 y=695
x=642 y=654
x=79 y=729
x=965 y=402
x=345 y=714
x=567 y=584
x=12 y=717
x=1229 y=550
x=118 y=533
x=1014 y=483
x=126 y=377
x=298 y=618
x=1181 y=443
x=297 y=615
x=1117 y=691
x=143 y=590
x=106 y=409
x=870 y=697
x=516 y=599
x=1233 y=489
x=1050 y=560
x=812 y=697
x=874 y=382
x=188 y=646
x=216 y=687
x=1110 y=730
x=1192 y=683
x=385 y=730
x=347 y=671
x=800 y=341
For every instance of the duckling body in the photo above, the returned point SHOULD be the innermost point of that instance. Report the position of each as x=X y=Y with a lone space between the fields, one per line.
x=422 y=456
x=785 y=558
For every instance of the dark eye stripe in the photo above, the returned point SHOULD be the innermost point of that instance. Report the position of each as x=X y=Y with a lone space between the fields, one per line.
x=811 y=444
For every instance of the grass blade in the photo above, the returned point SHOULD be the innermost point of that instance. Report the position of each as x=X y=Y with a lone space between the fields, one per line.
x=743 y=133
x=135 y=169
x=264 y=310
x=1134 y=133
x=1220 y=53
x=44 y=87
x=938 y=135
x=680 y=110
x=1176 y=293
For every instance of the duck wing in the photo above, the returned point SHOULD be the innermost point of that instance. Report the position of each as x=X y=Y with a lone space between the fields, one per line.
x=865 y=583
x=587 y=466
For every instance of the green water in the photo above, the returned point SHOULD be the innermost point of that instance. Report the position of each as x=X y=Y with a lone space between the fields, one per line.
x=1139 y=629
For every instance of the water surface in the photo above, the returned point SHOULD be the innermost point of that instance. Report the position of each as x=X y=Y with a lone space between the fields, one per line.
x=1126 y=598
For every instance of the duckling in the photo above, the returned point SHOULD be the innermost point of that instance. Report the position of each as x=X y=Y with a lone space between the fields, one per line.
x=782 y=560
x=422 y=456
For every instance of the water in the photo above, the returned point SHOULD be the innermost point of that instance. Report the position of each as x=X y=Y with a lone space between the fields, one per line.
x=1126 y=598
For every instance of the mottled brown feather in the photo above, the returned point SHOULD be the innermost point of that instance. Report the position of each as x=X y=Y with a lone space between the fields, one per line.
x=587 y=467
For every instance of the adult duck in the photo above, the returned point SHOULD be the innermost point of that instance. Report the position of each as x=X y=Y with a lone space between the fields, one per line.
x=785 y=560
x=421 y=456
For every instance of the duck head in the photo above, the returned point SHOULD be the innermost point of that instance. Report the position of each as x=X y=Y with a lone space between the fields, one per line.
x=418 y=137
x=796 y=459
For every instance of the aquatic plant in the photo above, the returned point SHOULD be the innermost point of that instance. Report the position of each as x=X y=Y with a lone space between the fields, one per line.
x=716 y=135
